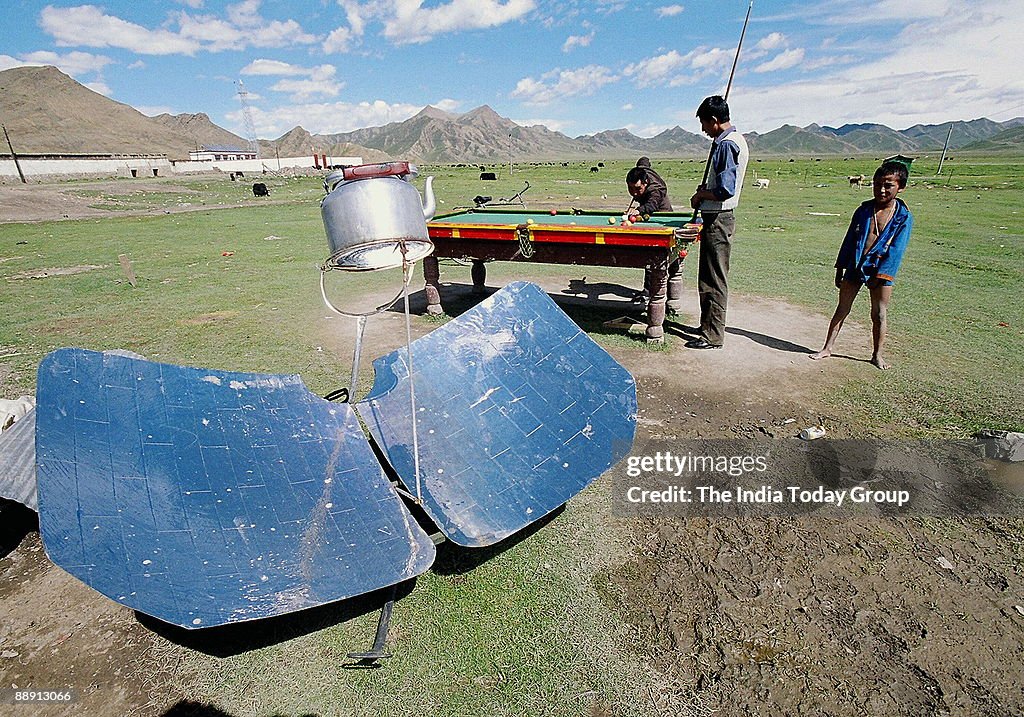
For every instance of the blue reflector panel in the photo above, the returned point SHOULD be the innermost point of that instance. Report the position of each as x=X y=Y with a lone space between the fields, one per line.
x=518 y=410
x=206 y=497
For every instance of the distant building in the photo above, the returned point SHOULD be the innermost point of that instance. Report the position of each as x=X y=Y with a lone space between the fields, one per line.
x=218 y=153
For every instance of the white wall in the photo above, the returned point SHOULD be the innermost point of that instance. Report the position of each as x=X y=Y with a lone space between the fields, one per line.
x=256 y=166
x=111 y=167
x=164 y=167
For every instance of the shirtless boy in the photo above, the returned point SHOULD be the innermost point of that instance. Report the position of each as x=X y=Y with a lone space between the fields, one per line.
x=871 y=254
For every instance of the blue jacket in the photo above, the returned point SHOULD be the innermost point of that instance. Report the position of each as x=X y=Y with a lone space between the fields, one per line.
x=883 y=260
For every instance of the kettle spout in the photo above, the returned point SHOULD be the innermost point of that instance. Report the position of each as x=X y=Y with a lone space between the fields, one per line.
x=429 y=205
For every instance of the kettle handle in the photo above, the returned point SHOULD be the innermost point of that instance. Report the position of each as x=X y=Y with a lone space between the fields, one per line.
x=384 y=169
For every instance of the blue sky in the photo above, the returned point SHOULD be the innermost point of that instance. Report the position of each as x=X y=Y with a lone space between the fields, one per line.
x=577 y=66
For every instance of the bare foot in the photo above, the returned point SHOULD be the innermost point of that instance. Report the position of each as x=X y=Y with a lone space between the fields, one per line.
x=879 y=362
x=819 y=355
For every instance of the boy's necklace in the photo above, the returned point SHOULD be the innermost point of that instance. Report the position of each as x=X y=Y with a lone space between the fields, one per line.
x=880 y=225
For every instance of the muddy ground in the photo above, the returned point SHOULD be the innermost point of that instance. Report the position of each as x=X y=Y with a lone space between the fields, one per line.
x=771 y=616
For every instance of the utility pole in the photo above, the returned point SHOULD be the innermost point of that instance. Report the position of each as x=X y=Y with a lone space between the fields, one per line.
x=510 y=154
x=944 y=147
x=17 y=164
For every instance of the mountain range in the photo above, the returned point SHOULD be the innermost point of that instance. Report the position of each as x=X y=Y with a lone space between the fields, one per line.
x=47 y=112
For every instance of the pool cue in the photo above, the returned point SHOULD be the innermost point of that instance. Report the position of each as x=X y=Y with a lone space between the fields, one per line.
x=728 y=86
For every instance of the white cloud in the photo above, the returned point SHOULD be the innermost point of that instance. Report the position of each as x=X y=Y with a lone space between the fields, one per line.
x=194 y=4
x=772 y=41
x=325 y=118
x=73 y=63
x=100 y=87
x=243 y=28
x=657 y=70
x=407 y=21
x=7 y=62
x=137 y=65
x=673 y=69
x=559 y=84
x=343 y=39
x=925 y=75
x=782 y=61
x=154 y=110
x=627 y=107
x=448 y=105
x=303 y=90
x=90 y=26
x=912 y=9
x=555 y=125
x=274 y=67
x=314 y=82
x=669 y=10
x=577 y=41
x=648 y=131
x=340 y=40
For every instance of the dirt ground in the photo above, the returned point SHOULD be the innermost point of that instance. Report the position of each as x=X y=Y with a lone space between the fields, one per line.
x=54 y=201
x=778 y=616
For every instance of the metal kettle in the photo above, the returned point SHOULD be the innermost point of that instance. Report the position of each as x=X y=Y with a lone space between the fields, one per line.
x=374 y=217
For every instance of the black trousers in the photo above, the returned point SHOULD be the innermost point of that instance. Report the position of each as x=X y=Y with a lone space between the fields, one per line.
x=713 y=273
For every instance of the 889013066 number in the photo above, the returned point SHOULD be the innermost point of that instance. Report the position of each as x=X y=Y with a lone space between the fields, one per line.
x=31 y=695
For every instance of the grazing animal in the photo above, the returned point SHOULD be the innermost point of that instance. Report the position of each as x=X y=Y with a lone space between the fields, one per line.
x=259 y=189
x=762 y=183
x=857 y=180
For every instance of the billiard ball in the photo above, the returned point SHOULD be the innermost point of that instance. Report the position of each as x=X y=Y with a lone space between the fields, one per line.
x=554 y=212
x=529 y=221
x=633 y=218
x=611 y=220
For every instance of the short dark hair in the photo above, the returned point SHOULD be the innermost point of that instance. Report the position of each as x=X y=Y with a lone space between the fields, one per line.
x=636 y=174
x=714 y=107
x=644 y=162
x=896 y=169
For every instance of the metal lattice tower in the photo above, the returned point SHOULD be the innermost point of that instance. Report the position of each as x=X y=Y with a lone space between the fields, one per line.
x=250 y=126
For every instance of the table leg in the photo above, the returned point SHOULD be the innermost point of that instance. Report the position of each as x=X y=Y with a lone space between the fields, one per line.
x=656 y=305
x=432 y=285
x=479 y=273
x=675 y=287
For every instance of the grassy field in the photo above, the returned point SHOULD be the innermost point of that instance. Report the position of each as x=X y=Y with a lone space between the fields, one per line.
x=533 y=629
x=955 y=323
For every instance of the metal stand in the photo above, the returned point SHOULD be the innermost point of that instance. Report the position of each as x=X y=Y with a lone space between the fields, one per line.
x=376 y=652
x=370 y=657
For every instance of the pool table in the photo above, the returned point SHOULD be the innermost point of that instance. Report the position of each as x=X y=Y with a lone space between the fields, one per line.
x=590 y=238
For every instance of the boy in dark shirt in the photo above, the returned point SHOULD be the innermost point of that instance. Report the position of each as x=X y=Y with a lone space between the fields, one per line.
x=650 y=192
x=648 y=189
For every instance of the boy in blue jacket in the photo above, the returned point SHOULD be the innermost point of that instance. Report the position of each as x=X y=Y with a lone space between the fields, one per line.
x=871 y=254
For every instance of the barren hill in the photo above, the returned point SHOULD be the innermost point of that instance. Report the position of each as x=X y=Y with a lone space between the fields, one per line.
x=45 y=111
x=199 y=130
